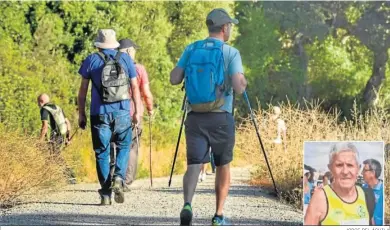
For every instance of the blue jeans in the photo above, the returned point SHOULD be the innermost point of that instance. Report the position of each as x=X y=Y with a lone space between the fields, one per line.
x=104 y=126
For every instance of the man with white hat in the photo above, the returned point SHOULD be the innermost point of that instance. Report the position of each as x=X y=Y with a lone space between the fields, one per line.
x=110 y=73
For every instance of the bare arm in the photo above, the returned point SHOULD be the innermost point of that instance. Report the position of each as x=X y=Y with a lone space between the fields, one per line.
x=177 y=75
x=68 y=124
x=82 y=95
x=148 y=97
x=44 y=128
x=136 y=96
x=239 y=83
x=317 y=208
x=81 y=102
x=305 y=185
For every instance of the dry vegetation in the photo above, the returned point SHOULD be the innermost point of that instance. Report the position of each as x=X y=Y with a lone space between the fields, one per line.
x=309 y=124
x=25 y=169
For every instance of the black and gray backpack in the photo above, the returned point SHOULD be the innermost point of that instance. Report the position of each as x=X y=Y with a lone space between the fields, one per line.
x=114 y=80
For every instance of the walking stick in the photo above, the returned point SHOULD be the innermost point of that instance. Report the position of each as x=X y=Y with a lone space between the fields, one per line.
x=150 y=152
x=261 y=143
x=71 y=137
x=178 y=139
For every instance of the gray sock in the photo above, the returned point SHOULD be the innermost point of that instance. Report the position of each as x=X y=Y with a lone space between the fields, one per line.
x=190 y=180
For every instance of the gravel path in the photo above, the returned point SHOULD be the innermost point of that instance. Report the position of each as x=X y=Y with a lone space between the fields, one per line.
x=78 y=205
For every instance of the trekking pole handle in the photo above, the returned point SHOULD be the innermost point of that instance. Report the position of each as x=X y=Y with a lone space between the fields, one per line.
x=249 y=105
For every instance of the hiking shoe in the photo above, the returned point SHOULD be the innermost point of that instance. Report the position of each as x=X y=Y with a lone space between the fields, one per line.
x=104 y=199
x=218 y=221
x=72 y=181
x=126 y=188
x=186 y=215
x=117 y=188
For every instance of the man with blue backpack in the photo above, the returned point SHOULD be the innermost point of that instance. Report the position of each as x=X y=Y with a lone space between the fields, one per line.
x=211 y=70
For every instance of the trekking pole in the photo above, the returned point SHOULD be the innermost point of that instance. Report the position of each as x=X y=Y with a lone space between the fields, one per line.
x=71 y=137
x=77 y=129
x=136 y=137
x=258 y=136
x=150 y=152
x=178 y=139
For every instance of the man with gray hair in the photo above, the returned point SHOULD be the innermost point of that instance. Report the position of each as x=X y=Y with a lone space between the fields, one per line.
x=344 y=147
x=342 y=202
x=372 y=170
x=129 y=47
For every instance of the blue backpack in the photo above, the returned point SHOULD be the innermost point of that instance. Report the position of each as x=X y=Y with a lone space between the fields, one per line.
x=205 y=76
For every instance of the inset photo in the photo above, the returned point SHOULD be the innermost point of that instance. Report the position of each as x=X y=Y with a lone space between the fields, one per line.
x=343 y=183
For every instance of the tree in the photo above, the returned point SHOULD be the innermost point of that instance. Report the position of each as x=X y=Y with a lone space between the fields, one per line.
x=301 y=23
x=371 y=27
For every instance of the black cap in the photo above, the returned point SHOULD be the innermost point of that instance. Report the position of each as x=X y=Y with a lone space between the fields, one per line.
x=127 y=43
x=219 y=17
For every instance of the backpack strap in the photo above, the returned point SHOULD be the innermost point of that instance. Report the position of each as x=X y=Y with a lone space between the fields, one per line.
x=118 y=56
x=103 y=56
x=98 y=90
x=370 y=201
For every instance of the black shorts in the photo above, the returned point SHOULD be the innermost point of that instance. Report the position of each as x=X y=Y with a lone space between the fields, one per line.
x=205 y=130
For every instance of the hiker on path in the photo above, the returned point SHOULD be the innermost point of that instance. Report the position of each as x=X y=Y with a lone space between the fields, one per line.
x=209 y=122
x=128 y=46
x=110 y=73
x=59 y=125
x=203 y=169
x=372 y=170
x=280 y=126
x=60 y=128
x=342 y=202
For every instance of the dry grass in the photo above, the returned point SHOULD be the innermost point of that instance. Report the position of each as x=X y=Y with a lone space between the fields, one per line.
x=25 y=169
x=81 y=157
x=309 y=124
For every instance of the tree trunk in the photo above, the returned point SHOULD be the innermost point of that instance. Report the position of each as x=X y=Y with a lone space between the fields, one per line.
x=304 y=89
x=378 y=75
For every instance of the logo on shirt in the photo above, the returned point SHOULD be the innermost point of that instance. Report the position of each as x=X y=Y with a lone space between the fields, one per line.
x=361 y=212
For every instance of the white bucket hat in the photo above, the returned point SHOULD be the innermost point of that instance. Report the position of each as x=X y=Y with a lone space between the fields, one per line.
x=106 y=39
